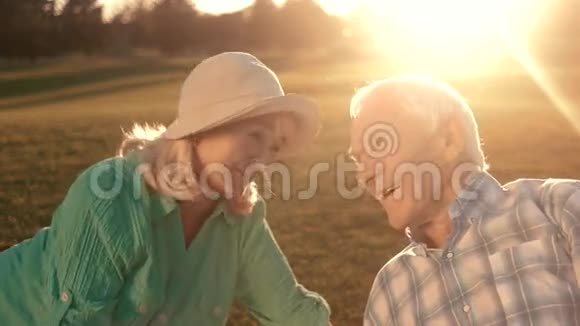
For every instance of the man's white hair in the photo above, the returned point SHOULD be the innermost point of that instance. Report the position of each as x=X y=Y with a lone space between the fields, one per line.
x=431 y=101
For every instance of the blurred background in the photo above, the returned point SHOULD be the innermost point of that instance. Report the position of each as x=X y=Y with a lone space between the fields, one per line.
x=74 y=72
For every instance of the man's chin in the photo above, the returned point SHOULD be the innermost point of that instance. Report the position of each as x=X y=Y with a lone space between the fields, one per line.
x=396 y=223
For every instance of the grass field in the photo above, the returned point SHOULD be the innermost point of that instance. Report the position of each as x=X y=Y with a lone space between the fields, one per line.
x=58 y=118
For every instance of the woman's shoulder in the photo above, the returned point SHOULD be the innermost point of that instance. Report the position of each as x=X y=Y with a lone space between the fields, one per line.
x=102 y=201
x=106 y=189
x=107 y=181
x=110 y=176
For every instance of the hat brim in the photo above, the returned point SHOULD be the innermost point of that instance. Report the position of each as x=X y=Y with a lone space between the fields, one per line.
x=302 y=108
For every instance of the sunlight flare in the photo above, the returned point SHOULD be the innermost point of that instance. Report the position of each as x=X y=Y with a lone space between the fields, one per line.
x=561 y=101
x=339 y=7
x=451 y=36
x=222 y=6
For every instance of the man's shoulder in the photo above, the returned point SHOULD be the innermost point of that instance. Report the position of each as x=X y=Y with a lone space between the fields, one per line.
x=398 y=278
x=544 y=190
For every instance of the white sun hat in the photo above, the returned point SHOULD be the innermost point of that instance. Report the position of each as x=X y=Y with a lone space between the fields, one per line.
x=233 y=86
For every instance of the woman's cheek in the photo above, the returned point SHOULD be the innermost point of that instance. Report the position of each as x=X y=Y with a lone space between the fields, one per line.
x=247 y=151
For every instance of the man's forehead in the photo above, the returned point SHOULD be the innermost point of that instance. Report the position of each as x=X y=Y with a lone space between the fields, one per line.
x=373 y=117
x=371 y=114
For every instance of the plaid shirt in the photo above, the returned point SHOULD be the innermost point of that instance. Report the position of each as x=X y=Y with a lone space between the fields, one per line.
x=512 y=259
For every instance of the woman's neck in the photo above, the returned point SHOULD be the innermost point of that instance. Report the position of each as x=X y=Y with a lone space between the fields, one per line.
x=194 y=214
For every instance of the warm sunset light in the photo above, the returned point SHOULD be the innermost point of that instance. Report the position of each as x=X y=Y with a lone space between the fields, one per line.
x=222 y=6
x=452 y=35
x=216 y=7
x=290 y=162
x=339 y=7
x=333 y=7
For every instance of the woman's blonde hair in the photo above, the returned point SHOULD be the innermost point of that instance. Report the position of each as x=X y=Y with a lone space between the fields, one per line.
x=167 y=166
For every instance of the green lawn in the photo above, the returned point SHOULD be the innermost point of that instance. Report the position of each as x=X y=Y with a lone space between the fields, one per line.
x=58 y=118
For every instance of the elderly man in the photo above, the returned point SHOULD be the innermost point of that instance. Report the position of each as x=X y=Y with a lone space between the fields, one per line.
x=481 y=253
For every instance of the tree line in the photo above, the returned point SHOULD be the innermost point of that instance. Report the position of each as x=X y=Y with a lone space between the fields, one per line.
x=37 y=28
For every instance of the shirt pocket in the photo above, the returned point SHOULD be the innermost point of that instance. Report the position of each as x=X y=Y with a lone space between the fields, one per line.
x=67 y=310
x=532 y=276
x=69 y=304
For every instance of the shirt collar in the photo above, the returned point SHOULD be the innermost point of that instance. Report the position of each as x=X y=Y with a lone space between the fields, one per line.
x=221 y=210
x=160 y=205
x=481 y=193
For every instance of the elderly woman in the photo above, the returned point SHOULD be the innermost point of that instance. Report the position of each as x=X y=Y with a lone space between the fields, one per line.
x=172 y=230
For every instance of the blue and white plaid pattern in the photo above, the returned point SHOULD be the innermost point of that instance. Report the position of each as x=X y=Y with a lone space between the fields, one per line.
x=513 y=259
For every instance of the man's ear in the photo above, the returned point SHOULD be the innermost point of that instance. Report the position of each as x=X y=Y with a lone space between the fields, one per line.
x=453 y=139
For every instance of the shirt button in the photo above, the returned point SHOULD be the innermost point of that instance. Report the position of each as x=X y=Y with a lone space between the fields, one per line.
x=466 y=308
x=449 y=255
x=64 y=296
x=142 y=308
x=217 y=311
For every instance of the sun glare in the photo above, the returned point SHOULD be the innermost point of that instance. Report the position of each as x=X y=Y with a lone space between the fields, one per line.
x=454 y=36
x=222 y=6
x=545 y=82
x=339 y=7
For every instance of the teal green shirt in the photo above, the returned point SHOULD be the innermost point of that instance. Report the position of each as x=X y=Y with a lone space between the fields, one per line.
x=115 y=254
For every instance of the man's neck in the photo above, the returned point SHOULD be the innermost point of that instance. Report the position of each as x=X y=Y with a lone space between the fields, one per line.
x=434 y=233
x=438 y=226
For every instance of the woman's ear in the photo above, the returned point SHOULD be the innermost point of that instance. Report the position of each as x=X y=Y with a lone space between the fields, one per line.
x=453 y=139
